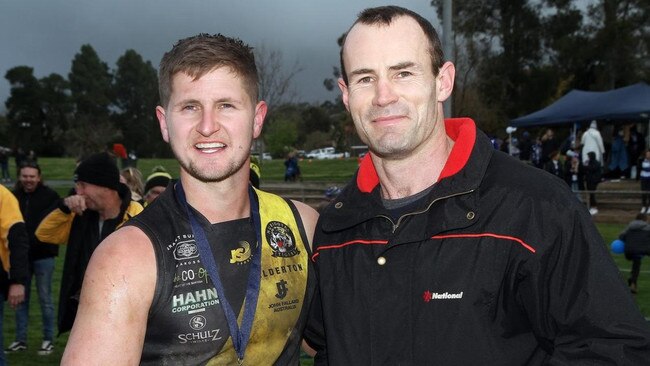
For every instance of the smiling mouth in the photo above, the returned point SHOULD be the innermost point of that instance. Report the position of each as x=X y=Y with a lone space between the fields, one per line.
x=209 y=147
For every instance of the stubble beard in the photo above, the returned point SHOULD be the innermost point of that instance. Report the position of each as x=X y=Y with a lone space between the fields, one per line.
x=208 y=174
x=388 y=141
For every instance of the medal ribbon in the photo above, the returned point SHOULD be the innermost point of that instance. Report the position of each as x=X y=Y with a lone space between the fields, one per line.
x=240 y=336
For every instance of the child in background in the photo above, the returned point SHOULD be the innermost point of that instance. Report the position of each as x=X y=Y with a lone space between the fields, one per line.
x=637 y=244
x=645 y=183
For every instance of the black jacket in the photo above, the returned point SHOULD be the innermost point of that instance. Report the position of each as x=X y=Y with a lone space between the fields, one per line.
x=81 y=233
x=637 y=238
x=34 y=207
x=498 y=265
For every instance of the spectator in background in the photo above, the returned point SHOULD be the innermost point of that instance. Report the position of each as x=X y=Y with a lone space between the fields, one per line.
x=592 y=141
x=618 y=161
x=554 y=165
x=536 y=153
x=549 y=144
x=292 y=171
x=636 y=151
x=132 y=177
x=644 y=177
x=31 y=157
x=4 y=164
x=637 y=244
x=19 y=157
x=132 y=159
x=593 y=175
x=525 y=146
x=101 y=205
x=156 y=184
x=36 y=200
x=119 y=150
x=14 y=248
x=573 y=171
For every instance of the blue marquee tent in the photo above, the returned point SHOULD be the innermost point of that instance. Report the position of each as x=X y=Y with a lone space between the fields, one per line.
x=630 y=103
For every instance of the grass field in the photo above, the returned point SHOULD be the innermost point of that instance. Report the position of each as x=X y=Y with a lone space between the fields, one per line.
x=330 y=171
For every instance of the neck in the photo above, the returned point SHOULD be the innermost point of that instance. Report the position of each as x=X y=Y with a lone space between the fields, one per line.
x=217 y=201
x=407 y=176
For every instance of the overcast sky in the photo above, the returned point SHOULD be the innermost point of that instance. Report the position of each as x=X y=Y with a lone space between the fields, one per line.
x=46 y=34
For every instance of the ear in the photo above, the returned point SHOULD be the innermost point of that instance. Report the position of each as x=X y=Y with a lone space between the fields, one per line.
x=445 y=81
x=344 y=93
x=258 y=120
x=162 y=121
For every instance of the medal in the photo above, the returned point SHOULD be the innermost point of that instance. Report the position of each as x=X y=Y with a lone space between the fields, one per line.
x=240 y=335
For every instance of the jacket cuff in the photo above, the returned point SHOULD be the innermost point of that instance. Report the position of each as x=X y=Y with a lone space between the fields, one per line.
x=63 y=207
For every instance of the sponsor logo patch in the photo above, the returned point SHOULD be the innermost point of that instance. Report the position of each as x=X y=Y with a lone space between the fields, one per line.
x=282 y=289
x=281 y=239
x=194 y=301
x=197 y=322
x=428 y=296
x=200 y=337
x=242 y=254
x=186 y=250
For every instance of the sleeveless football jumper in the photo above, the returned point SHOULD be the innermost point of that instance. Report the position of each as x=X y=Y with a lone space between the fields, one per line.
x=186 y=324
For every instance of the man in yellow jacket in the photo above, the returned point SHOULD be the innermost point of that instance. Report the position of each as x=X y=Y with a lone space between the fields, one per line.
x=100 y=205
x=14 y=248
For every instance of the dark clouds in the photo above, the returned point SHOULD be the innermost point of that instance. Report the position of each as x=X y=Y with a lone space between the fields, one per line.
x=46 y=34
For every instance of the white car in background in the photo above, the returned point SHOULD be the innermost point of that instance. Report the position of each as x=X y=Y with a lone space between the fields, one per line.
x=324 y=154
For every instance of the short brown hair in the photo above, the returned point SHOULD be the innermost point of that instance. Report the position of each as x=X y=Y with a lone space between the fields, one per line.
x=384 y=15
x=203 y=53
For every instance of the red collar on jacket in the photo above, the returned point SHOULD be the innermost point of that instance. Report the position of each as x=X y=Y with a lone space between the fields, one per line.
x=461 y=130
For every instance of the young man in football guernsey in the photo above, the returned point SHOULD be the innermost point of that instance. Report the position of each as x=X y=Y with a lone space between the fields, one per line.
x=213 y=271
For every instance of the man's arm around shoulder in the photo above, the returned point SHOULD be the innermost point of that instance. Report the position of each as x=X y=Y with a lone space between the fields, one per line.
x=116 y=295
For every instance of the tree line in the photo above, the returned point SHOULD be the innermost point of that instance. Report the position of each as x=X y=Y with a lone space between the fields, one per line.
x=517 y=56
x=87 y=111
x=512 y=57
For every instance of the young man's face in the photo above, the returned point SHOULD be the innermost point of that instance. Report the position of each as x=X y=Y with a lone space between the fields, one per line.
x=392 y=93
x=29 y=179
x=210 y=124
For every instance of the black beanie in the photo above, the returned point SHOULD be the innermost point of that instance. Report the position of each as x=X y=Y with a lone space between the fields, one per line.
x=157 y=179
x=99 y=169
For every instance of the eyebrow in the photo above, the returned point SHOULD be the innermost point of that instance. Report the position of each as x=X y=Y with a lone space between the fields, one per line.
x=402 y=65
x=218 y=101
x=361 y=72
x=399 y=66
x=185 y=102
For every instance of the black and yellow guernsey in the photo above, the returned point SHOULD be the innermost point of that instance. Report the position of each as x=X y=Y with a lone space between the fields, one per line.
x=187 y=324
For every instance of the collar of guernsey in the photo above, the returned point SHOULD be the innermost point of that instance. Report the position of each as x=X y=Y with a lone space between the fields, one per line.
x=461 y=130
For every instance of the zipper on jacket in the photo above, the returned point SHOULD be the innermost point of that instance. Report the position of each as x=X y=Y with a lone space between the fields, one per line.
x=396 y=225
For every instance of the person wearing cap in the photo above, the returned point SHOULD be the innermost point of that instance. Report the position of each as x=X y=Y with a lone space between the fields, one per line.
x=100 y=205
x=156 y=184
